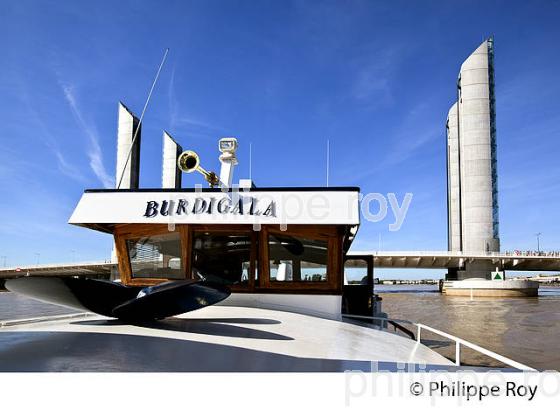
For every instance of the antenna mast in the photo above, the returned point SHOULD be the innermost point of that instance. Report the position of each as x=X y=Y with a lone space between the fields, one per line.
x=142 y=117
x=328 y=160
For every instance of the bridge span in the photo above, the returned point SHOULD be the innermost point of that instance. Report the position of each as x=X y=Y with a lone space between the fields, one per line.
x=382 y=259
x=99 y=269
x=446 y=260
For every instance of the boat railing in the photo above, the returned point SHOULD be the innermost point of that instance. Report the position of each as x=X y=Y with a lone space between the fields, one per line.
x=458 y=341
x=39 y=319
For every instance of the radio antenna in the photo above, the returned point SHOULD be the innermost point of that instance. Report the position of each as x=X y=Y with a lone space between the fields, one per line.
x=328 y=160
x=142 y=116
x=250 y=160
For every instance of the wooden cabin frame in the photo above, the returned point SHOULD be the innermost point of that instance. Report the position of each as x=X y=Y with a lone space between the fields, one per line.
x=334 y=235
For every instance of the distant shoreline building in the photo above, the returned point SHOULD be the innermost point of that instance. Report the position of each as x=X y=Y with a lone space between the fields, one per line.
x=472 y=180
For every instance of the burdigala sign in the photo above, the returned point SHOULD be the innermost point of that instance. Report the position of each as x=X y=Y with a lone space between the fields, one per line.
x=210 y=205
x=338 y=207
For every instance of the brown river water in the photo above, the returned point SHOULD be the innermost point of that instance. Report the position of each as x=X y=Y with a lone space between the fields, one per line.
x=524 y=329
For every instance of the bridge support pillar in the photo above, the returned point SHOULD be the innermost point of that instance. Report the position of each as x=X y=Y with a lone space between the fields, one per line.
x=452 y=274
x=481 y=269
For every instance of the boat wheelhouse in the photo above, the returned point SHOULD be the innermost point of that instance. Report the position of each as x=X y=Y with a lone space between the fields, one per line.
x=271 y=246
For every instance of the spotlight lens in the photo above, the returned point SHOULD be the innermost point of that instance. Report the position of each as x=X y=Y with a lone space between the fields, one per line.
x=228 y=145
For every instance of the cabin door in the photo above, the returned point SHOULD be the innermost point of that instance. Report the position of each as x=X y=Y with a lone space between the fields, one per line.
x=357 y=293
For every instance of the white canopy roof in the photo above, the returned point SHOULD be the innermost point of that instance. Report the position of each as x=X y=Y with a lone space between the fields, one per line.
x=307 y=206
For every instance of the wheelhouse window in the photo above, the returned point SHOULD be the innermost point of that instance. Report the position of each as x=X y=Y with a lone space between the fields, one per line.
x=156 y=256
x=297 y=259
x=222 y=257
x=300 y=259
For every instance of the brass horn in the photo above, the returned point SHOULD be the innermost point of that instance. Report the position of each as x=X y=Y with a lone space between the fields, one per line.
x=189 y=161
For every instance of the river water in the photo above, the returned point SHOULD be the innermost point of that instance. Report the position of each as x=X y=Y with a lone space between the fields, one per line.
x=524 y=329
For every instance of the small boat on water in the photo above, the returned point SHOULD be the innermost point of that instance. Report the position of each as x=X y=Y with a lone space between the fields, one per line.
x=225 y=278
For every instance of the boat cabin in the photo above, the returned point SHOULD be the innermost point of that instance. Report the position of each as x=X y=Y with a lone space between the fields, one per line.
x=268 y=245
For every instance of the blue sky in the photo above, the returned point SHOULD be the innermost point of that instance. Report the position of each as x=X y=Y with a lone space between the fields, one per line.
x=375 y=78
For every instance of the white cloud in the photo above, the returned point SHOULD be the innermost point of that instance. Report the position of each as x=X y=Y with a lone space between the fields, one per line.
x=64 y=166
x=94 y=153
x=374 y=74
x=415 y=132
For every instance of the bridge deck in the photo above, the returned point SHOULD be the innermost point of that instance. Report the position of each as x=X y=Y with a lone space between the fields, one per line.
x=103 y=268
x=445 y=260
x=383 y=259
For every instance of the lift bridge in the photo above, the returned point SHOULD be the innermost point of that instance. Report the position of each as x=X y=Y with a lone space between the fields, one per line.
x=503 y=261
x=99 y=269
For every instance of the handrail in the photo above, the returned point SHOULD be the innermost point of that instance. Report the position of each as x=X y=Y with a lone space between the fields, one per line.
x=402 y=329
x=458 y=341
x=29 y=320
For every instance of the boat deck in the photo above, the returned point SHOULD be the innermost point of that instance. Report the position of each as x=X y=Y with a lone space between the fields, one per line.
x=216 y=338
